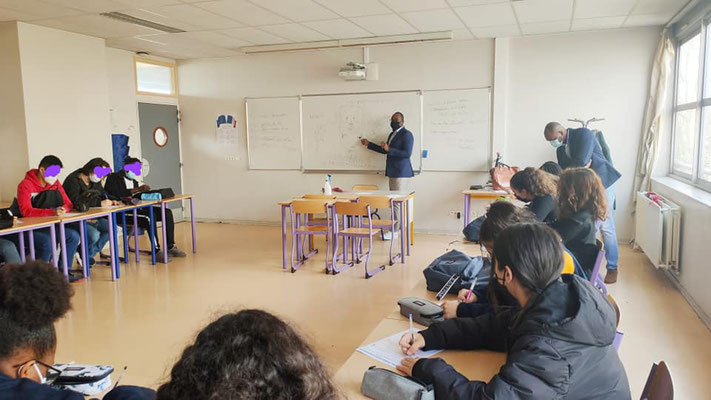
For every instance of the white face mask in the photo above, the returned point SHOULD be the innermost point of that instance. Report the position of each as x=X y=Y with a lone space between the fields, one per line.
x=50 y=179
x=555 y=143
x=94 y=178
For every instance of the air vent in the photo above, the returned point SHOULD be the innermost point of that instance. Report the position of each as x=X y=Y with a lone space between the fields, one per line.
x=142 y=22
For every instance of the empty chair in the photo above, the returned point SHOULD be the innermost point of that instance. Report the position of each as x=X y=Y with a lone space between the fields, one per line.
x=384 y=202
x=304 y=208
x=618 y=335
x=352 y=222
x=317 y=219
x=595 y=277
x=659 y=384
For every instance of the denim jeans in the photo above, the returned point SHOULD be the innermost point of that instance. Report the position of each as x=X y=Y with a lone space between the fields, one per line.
x=98 y=235
x=8 y=252
x=609 y=235
x=43 y=243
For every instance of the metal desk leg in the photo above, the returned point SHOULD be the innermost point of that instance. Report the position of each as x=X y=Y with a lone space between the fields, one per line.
x=135 y=234
x=124 y=236
x=403 y=232
x=467 y=203
x=84 y=247
x=31 y=235
x=192 y=223
x=151 y=234
x=407 y=223
x=21 y=238
x=283 y=236
x=112 y=245
x=63 y=246
x=53 y=239
x=165 y=233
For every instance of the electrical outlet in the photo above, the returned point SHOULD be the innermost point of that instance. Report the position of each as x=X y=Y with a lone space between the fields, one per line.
x=455 y=214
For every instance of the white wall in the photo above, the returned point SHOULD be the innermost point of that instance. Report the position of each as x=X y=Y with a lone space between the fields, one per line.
x=13 y=151
x=123 y=104
x=229 y=191
x=582 y=75
x=65 y=94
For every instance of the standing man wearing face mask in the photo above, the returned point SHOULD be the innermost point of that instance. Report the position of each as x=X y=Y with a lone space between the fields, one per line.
x=398 y=149
x=579 y=148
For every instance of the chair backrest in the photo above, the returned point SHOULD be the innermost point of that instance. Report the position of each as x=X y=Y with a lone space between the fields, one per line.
x=364 y=187
x=320 y=196
x=352 y=209
x=308 y=206
x=659 y=384
x=617 y=309
x=376 y=201
x=598 y=262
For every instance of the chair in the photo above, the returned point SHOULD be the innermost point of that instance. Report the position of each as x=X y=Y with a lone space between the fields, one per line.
x=305 y=208
x=595 y=277
x=383 y=224
x=353 y=229
x=317 y=220
x=617 y=341
x=659 y=384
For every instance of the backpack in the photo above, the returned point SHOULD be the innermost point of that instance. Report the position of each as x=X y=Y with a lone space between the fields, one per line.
x=48 y=199
x=471 y=231
x=7 y=219
x=456 y=262
x=86 y=199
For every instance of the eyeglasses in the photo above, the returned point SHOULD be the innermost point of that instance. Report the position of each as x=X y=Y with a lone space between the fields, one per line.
x=49 y=378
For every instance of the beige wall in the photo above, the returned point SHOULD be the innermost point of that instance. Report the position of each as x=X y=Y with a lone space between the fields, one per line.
x=13 y=151
x=123 y=104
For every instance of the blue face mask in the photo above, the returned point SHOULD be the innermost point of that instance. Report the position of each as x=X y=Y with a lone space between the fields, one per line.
x=555 y=143
x=131 y=175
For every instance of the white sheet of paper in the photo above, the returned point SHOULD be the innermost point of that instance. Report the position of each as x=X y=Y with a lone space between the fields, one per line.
x=388 y=350
x=71 y=214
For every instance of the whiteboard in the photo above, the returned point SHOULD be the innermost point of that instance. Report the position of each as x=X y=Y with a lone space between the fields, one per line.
x=334 y=124
x=274 y=132
x=457 y=133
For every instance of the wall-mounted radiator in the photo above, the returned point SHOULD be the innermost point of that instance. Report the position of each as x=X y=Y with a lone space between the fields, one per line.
x=658 y=223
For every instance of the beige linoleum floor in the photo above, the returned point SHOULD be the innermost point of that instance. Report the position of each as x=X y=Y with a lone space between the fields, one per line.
x=146 y=318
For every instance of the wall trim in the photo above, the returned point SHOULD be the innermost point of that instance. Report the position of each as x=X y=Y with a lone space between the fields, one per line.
x=705 y=318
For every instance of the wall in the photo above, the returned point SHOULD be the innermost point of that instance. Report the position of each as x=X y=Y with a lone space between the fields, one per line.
x=229 y=191
x=65 y=94
x=582 y=75
x=13 y=151
x=123 y=104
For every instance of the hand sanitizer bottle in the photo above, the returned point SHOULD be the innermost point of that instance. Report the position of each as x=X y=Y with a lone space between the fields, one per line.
x=327 y=185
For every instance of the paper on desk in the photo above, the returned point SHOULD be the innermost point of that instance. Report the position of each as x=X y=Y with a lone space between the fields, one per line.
x=388 y=350
x=70 y=214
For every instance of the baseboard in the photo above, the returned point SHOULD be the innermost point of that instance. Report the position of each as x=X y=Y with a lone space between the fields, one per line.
x=694 y=305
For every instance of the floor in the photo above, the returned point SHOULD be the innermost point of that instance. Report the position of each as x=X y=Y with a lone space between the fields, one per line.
x=145 y=319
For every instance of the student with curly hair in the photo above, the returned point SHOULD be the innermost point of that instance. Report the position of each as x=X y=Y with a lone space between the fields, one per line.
x=33 y=297
x=581 y=202
x=537 y=188
x=248 y=355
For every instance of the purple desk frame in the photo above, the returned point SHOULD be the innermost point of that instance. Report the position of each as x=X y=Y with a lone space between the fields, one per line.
x=192 y=224
x=115 y=274
x=30 y=230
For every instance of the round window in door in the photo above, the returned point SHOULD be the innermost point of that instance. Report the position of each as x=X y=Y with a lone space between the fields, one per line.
x=160 y=136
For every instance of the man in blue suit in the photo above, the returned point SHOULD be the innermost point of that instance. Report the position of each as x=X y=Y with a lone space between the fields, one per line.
x=398 y=149
x=579 y=148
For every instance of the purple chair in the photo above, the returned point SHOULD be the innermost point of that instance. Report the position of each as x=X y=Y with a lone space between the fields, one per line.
x=659 y=384
x=617 y=341
x=304 y=208
x=352 y=231
x=385 y=202
x=595 y=278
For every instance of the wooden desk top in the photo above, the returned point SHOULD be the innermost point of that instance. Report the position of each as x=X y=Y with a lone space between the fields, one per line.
x=486 y=193
x=177 y=197
x=30 y=222
x=475 y=365
x=341 y=196
x=94 y=212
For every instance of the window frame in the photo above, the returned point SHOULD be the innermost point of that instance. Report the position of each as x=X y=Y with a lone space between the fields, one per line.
x=173 y=75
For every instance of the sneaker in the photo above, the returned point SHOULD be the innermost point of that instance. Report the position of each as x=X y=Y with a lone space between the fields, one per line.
x=176 y=252
x=75 y=278
x=390 y=235
x=92 y=261
x=159 y=257
x=611 y=276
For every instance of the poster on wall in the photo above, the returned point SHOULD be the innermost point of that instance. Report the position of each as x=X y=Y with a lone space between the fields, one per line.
x=226 y=133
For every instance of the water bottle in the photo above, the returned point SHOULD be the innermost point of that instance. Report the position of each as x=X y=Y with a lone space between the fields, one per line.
x=327 y=185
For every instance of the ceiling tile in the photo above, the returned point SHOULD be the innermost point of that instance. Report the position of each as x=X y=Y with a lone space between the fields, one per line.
x=487 y=15
x=539 y=28
x=462 y=34
x=415 y=5
x=355 y=8
x=602 y=8
x=434 y=20
x=384 y=25
x=96 y=25
x=338 y=29
x=196 y=16
x=215 y=39
x=496 y=31
x=646 y=20
x=155 y=16
x=543 y=10
x=35 y=9
x=254 y=36
x=91 y=6
x=297 y=10
x=147 y=3
x=295 y=32
x=667 y=7
x=588 y=24
x=242 y=11
x=459 y=3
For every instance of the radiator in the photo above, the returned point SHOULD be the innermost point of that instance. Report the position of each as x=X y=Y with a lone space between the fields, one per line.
x=657 y=230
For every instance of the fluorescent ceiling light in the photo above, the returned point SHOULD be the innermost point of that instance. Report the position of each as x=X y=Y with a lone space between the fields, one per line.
x=141 y=22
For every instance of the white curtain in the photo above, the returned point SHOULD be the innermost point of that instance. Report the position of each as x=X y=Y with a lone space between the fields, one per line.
x=662 y=72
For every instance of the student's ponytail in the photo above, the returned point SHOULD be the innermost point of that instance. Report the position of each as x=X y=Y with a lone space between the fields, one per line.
x=32 y=297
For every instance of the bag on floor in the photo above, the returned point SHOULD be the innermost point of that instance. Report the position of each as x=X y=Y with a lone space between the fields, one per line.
x=456 y=262
x=471 y=231
x=383 y=384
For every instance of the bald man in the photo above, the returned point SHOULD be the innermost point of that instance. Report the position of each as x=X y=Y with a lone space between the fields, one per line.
x=579 y=148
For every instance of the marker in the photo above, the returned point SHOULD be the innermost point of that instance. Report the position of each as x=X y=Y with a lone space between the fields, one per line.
x=412 y=332
x=471 y=289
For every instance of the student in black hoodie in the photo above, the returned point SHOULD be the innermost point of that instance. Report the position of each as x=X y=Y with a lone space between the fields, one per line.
x=581 y=202
x=124 y=184
x=538 y=189
x=558 y=345
x=33 y=297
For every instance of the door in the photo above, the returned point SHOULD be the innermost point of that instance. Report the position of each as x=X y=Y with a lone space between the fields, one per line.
x=160 y=146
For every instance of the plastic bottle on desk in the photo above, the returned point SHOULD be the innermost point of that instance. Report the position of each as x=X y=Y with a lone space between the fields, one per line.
x=327 y=186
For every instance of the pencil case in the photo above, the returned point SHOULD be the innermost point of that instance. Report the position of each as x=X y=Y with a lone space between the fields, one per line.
x=423 y=311
x=383 y=384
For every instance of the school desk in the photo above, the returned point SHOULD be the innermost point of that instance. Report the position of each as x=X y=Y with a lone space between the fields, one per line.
x=178 y=197
x=483 y=194
x=121 y=212
x=81 y=218
x=405 y=198
x=30 y=224
x=474 y=364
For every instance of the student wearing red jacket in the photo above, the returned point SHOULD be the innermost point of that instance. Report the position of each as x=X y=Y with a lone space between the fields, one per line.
x=41 y=195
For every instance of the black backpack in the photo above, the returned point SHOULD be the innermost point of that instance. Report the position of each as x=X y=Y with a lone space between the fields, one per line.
x=49 y=199
x=86 y=199
x=7 y=218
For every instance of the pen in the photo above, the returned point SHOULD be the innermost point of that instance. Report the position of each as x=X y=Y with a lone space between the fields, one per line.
x=412 y=339
x=471 y=289
x=122 y=374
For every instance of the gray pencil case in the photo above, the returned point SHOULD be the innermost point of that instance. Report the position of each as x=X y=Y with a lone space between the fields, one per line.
x=383 y=384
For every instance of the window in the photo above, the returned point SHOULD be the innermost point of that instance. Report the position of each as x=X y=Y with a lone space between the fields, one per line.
x=691 y=155
x=155 y=78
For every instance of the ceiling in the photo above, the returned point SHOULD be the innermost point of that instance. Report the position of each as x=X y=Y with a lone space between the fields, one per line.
x=218 y=28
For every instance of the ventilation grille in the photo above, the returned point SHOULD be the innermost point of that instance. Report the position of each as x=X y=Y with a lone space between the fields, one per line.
x=142 y=22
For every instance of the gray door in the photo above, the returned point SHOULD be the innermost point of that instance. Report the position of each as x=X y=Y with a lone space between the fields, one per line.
x=160 y=146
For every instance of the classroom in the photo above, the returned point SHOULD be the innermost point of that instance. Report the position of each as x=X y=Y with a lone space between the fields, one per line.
x=352 y=199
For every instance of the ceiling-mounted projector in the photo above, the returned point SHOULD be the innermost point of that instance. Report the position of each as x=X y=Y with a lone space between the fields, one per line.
x=353 y=72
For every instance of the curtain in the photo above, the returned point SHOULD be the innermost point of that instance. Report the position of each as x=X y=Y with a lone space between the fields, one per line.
x=662 y=72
